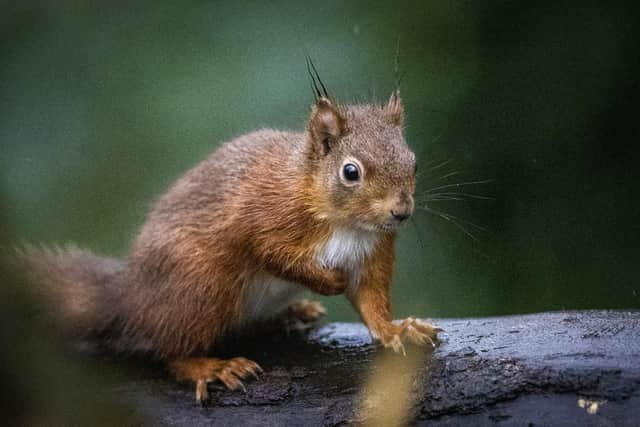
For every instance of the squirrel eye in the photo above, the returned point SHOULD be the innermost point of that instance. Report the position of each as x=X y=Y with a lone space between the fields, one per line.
x=350 y=172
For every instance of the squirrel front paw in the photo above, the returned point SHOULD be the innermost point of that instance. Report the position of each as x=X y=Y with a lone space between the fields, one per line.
x=302 y=315
x=411 y=331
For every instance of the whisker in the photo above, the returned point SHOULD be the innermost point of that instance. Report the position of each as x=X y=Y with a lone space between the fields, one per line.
x=459 y=184
x=442 y=199
x=469 y=223
x=453 y=220
x=449 y=175
x=418 y=230
x=437 y=137
x=438 y=166
x=447 y=199
x=455 y=196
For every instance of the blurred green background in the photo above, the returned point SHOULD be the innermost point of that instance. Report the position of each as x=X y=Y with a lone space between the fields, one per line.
x=104 y=104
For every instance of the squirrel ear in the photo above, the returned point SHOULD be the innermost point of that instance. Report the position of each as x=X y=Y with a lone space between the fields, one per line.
x=326 y=124
x=394 y=110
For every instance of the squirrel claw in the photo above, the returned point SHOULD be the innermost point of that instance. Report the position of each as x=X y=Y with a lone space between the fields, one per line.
x=202 y=371
x=429 y=331
x=412 y=331
x=238 y=368
x=202 y=394
x=396 y=344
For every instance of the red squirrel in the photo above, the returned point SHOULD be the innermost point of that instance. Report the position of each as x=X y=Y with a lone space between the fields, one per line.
x=264 y=217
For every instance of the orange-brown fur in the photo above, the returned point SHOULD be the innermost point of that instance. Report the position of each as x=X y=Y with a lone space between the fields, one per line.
x=259 y=206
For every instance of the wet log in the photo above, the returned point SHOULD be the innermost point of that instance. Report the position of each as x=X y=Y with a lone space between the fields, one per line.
x=559 y=368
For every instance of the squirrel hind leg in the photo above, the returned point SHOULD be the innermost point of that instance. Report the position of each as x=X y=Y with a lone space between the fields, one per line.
x=303 y=314
x=203 y=370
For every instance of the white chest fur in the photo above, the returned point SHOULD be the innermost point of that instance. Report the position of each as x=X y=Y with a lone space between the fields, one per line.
x=347 y=249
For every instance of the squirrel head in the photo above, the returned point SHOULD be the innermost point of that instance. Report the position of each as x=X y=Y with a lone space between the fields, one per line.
x=363 y=171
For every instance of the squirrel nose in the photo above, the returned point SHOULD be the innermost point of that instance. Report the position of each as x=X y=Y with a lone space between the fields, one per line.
x=400 y=215
x=403 y=207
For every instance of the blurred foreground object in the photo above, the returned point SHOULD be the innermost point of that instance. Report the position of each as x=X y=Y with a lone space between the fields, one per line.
x=43 y=382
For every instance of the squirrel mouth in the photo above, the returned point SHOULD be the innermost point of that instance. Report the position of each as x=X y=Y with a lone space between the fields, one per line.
x=379 y=227
x=388 y=226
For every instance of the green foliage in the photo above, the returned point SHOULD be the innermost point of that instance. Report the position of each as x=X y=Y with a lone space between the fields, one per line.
x=104 y=104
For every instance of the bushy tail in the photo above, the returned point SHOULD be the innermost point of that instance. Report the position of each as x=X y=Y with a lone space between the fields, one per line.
x=82 y=289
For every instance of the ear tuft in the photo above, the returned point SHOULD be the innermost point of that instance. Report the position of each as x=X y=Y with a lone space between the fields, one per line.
x=394 y=110
x=326 y=124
